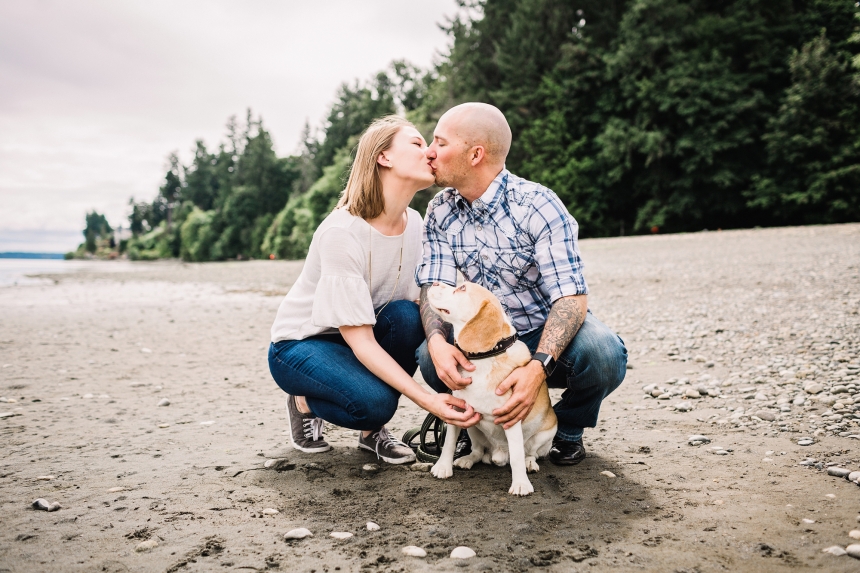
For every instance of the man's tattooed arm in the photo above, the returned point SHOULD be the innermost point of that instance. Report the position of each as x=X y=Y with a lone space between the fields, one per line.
x=433 y=323
x=565 y=317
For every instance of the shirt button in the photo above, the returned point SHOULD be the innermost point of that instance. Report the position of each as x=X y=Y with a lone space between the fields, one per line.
x=479 y=227
x=484 y=257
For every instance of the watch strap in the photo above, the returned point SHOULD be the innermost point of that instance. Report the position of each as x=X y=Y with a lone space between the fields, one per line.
x=547 y=361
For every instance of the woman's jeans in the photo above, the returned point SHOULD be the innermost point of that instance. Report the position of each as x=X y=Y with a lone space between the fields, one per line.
x=589 y=369
x=337 y=387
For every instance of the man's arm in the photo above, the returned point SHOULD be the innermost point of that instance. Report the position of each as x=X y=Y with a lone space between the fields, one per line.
x=563 y=322
x=433 y=323
x=565 y=318
x=446 y=357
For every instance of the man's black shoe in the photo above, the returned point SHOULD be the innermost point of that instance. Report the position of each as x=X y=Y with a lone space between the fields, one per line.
x=464 y=445
x=566 y=453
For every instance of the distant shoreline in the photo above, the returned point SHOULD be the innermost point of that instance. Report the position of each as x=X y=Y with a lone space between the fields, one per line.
x=31 y=256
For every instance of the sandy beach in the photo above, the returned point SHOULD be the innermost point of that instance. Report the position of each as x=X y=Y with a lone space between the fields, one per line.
x=748 y=338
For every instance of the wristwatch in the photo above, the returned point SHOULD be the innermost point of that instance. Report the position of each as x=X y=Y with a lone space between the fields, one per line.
x=547 y=361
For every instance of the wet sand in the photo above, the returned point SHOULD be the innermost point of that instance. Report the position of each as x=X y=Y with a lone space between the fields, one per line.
x=756 y=316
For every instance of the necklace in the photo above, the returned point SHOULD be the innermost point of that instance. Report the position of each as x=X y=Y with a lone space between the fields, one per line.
x=370 y=263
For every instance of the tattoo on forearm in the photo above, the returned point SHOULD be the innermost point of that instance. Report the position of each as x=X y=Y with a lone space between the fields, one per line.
x=562 y=324
x=432 y=322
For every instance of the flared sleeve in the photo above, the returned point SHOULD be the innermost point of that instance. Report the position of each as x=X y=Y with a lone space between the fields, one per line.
x=342 y=297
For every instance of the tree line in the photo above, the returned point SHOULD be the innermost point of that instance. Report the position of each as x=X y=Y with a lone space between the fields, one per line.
x=642 y=115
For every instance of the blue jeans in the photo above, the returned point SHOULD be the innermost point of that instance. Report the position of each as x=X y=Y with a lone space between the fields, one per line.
x=340 y=389
x=589 y=369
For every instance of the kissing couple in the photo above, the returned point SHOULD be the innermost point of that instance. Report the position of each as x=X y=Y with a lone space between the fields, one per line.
x=356 y=325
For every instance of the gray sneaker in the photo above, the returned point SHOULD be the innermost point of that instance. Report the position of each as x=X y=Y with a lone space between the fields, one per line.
x=306 y=430
x=386 y=447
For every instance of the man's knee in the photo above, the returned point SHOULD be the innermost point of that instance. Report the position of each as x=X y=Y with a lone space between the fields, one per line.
x=600 y=350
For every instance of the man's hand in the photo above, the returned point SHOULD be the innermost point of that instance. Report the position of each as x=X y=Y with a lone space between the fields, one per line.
x=446 y=357
x=526 y=382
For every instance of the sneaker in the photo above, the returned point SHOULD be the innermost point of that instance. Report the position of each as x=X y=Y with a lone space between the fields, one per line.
x=306 y=430
x=386 y=447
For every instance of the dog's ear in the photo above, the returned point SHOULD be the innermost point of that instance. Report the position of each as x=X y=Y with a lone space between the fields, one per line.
x=484 y=330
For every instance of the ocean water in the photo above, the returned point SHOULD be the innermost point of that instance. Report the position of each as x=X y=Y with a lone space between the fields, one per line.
x=20 y=272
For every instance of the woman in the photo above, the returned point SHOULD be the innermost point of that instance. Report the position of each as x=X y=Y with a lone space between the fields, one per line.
x=344 y=339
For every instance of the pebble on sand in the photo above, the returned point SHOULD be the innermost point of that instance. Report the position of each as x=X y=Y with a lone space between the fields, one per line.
x=838 y=472
x=164 y=425
x=807 y=520
x=805 y=442
x=766 y=415
x=45 y=478
x=271 y=462
x=341 y=534
x=372 y=526
x=835 y=550
x=207 y=423
x=116 y=489
x=462 y=552
x=420 y=467
x=146 y=545
x=698 y=440
x=853 y=550
x=44 y=505
x=830 y=496
x=607 y=473
x=270 y=511
x=164 y=402
x=413 y=551
x=146 y=350
x=854 y=534
x=813 y=388
x=298 y=533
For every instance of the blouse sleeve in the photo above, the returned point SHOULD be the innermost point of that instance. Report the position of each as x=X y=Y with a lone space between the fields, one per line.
x=342 y=297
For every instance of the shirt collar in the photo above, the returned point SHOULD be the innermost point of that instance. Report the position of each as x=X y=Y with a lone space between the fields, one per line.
x=490 y=198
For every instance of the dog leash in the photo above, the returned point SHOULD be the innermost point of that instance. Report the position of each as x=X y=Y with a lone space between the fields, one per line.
x=428 y=452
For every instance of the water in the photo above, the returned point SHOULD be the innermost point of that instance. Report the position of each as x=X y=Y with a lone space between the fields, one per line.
x=18 y=272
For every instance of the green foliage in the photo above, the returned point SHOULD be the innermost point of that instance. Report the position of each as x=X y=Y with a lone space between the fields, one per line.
x=813 y=143
x=674 y=114
x=197 y=236
x=291 y=231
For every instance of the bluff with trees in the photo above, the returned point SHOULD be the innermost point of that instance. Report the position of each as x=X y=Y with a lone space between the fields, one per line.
x=642 y=115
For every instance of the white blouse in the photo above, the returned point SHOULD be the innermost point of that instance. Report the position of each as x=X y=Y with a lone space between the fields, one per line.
x=334 y=288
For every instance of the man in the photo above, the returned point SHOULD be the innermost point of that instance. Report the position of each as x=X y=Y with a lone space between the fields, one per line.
x=516 y=238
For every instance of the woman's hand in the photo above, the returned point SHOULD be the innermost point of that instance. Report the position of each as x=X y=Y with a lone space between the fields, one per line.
x=451 y=410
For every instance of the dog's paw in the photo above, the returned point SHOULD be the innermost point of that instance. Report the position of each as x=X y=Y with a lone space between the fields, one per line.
x=532 y=465
x=500 y=457
x=466 y=462
x=442 y=471
x=521 y=488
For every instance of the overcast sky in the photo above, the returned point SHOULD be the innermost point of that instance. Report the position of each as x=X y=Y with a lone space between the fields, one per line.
x=95 y=93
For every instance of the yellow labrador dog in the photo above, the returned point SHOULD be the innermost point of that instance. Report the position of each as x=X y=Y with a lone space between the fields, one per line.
x=484 y=333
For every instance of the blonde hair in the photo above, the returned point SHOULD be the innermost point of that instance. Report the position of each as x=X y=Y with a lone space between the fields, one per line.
x=362 y=196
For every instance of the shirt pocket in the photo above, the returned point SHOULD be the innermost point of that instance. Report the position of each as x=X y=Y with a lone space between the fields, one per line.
x=517 y=268
x=467 y=260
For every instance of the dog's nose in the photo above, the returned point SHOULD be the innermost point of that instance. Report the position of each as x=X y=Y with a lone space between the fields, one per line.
x=435 y=284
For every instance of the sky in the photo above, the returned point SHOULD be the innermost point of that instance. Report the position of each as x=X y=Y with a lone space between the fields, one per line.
x=94 y=94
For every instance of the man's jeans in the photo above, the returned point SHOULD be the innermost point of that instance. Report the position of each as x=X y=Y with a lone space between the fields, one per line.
x=589 y=369
x=340 y=389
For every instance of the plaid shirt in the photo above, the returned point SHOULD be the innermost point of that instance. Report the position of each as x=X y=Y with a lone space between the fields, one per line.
x=517 y=239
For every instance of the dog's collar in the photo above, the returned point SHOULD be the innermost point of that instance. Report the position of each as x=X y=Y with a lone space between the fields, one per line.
x=500 y=347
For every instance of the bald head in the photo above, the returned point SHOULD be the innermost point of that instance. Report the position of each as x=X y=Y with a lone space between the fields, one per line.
x=481 y=124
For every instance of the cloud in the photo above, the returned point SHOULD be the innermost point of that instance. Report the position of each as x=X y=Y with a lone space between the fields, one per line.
x=95 y=94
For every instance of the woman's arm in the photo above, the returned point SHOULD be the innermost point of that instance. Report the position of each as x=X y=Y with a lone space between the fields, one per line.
x=450 y=409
